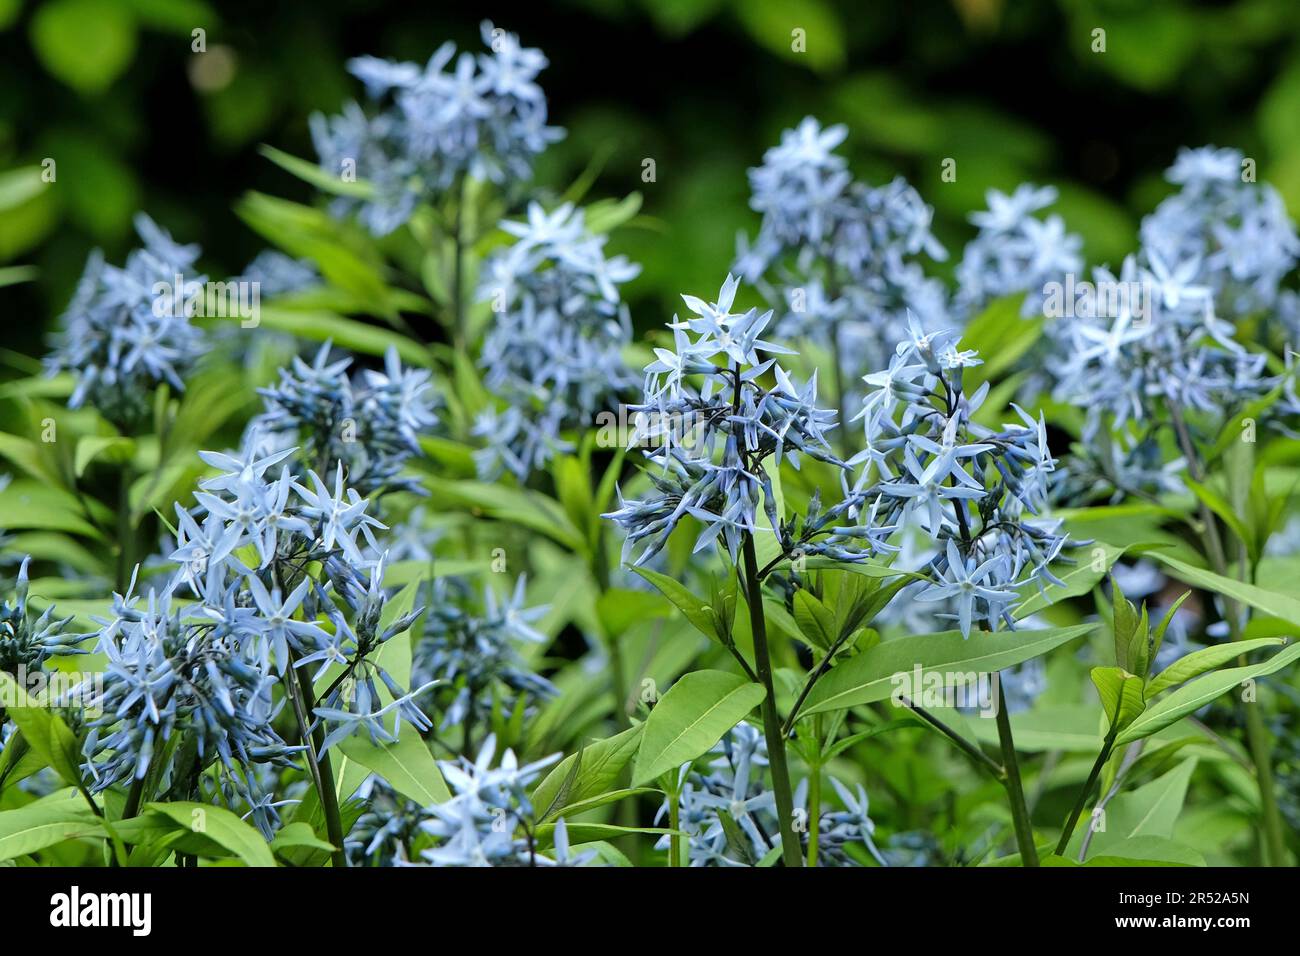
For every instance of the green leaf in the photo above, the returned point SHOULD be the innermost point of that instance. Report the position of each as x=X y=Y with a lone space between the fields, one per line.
x=346 y=333
x=573 y=489
x=299 y=834
x=587 y=774
x=523 y=507
x=1093 y=564
x=1131 y=630
x=1219 y=505
x=1270 y=602
x=1158 y=635
x=40 y=825
x=332 y=183
x=1146 y=851
x=30 y=504
x=608 y=214
x=697 y=710
x=816 y=621
x=1121 y=695
x=1192 y=697
x=1001 y=335
x=46 y=733
x=1206 y=659
x=113 y=448
x=221 y=827
x=85 y=43
x=17 y=186
x=620 y=609
x=696 y=611
x=407 y=765
x=871 y=675
x=12 y=275
x=1149 y=811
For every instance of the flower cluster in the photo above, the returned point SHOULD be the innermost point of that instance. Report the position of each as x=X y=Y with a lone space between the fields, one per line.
x=1015 y=251
x=734 y=788
x=1223 y=231
x=1212 y=255
x=974 y=490
x=473 y=655
x=175 y=670
x=482 y=116
x=127 y=329
x=487 y=822
x=369 y=423
x=838 y=257
x=259 y=616
x=26 y=644
x=277 y=274
x=554 y=349
x=711 y=441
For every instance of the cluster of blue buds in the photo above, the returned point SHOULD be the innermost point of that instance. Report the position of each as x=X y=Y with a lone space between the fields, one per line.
x=257 y=617
x=1016 y=251
x=370 y=423
x=975 y=491
x=712 y=424
x=480 y=825
x=1213 y=254
x=472 y=653
x=483 y=116
x=127 y=330
x=1223 y=231
x=26 y=644
x=176 y=670
x=733 y=786
x=277 y=274
x=487 y=822
x=554 y=349
x=838 y=258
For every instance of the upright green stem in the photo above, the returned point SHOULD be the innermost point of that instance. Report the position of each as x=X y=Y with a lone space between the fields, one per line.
x=457 y=272
x=304 y=701
x=618 y=686
x=814 y=812
x=1015 y=790
x=1261 y=750
x=1079 y=804
x=840 y=393
x=134 y=797
x=674 y=823
x=125 y=533
x=771 y=722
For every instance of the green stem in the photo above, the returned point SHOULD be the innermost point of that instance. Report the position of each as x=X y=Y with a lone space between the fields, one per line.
x=134 y=798
x=617 y=678
x=771 y=722
x=674 y=822
x=981 y=759
x=841 y=397
x=125 y=533
x=457 y=273
x=814 y=812
x=1079 y=804
x=304 y=704
x=1261 y=753
x=1261 y=749
x=1015 y=791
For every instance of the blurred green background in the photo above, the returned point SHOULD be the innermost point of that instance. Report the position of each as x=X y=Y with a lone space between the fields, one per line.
x=111 y=90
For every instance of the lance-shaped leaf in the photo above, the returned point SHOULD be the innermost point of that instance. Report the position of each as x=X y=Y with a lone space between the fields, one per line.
x=873 y=674
x=1270 y=602
x=697 y=710
x=1121 y=695
x=1193 y=696
x=1206 y=659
